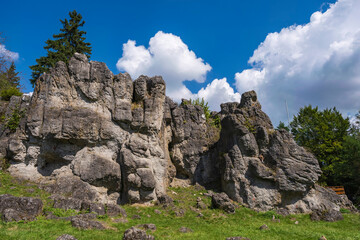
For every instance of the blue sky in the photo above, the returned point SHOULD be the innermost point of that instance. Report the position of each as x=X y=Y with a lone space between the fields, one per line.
x=224 y=34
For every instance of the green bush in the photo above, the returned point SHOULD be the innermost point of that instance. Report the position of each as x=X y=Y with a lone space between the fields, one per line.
x=13 y=121
x=7 y=93
x=61 y=212
x=344 y=210
x=204 y=105
x=214 y=121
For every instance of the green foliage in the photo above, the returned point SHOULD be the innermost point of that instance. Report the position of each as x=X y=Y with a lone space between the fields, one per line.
x=12 y=122
x=136 y=105
x=249 y=126
x=12 y=76
x=282 y=126
x=7 y=93
x=323 y=133
x=9 y=79
x=203 y=104
x=348 y=168
x=63 y=47
x=216 y=121
x=344 y=210
x=61 y=212
x=212 y=120
x=102 y=217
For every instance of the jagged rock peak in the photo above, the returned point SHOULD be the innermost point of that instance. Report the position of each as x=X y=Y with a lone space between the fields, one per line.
x=249 y=99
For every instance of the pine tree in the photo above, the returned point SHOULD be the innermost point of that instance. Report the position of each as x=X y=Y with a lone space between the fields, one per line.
x=12 y=76
x=9 y=83
x=64 y=45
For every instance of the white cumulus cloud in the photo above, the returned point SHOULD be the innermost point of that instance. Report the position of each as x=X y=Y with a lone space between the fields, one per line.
x=8 y=55
x=317 y=63
x=168 y=56
x=217 y=92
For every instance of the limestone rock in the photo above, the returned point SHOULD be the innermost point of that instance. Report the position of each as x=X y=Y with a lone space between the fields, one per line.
x=115 y=210
x=97 y=208
x=106 y=139
x=134 y=233
x=326 y=215
x=66 y=237
x=222 y=201
x=86 y=224
x=97 y=167
x=185 y=230
x=72 y=186
x=147 y=226
x=143 y=162
x=260 y=166
x=67 y=203
x=19 y=208
x=264 y=227
x=200 y=204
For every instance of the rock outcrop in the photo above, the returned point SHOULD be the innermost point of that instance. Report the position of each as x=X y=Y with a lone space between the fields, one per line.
x=262 y=167
x=105 y=138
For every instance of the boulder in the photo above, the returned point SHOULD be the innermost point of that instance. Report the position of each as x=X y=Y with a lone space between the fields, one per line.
x=134 y=233
x=222 y=201
x=66 y=237
x=19 y=208
x=147 y=226
x=66 y=203
x=326 y=215
x=115 y=210
x=185 y=230
x=200 y=204
x=86 y=224
x=97 y=208
x=71 y=186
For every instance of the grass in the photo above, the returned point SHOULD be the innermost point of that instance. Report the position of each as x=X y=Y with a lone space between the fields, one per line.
x=214 y=224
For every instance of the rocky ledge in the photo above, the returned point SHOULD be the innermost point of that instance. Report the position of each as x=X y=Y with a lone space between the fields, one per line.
x=106 y=138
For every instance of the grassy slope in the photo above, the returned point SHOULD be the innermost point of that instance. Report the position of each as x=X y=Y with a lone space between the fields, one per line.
x=214 y=225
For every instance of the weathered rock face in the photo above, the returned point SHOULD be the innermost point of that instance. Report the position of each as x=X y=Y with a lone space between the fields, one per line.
x=192 y=139
x=261 y=167
x=83 y=121
x=105 y=138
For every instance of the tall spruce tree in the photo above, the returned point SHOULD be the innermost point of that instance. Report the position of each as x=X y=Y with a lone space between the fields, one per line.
x=63 y=47
x=12 y=76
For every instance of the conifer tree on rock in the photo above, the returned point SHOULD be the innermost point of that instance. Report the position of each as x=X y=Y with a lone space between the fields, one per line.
x=63 y=47
x=12 y=76
x=9 y=79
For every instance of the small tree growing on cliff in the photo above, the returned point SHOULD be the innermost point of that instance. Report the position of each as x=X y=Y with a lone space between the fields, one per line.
x=63 y=47
x=9 y=79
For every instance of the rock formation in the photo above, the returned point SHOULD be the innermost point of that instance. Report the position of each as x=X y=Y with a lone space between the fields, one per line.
x=109 y=139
